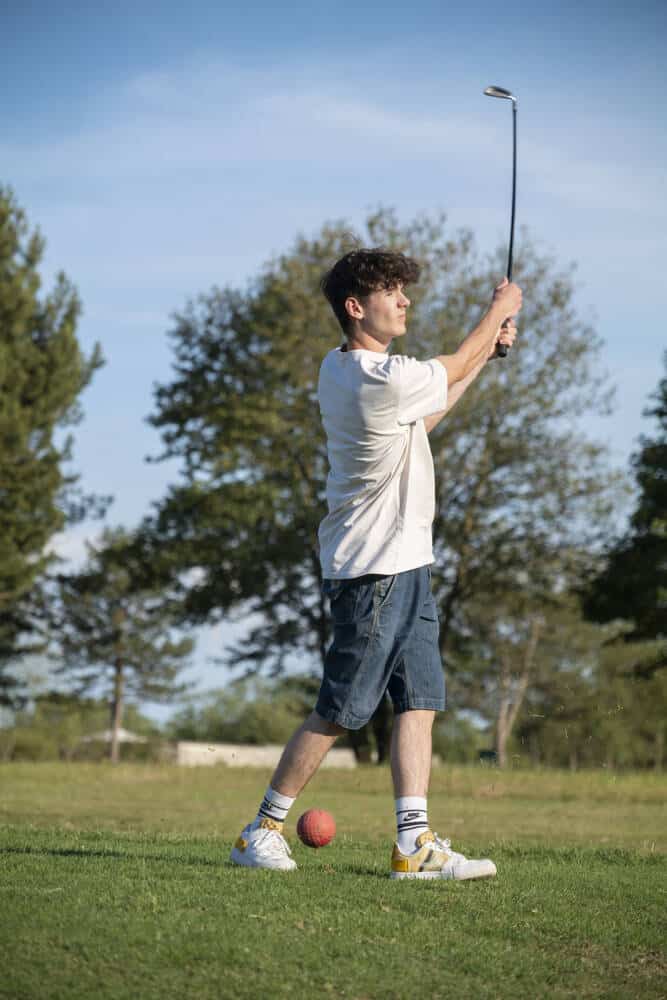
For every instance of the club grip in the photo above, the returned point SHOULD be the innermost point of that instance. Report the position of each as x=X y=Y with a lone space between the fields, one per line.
x=502 y=349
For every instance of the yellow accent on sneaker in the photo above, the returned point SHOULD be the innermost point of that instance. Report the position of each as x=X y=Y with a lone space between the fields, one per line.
x=433 y=857
x=426 y=858
x=240 y=844
x=270 y=824
x=398 y=862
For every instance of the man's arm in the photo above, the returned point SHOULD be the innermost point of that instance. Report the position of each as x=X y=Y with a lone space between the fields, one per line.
x=507 y=336
x=453 y=396
x=480 y=344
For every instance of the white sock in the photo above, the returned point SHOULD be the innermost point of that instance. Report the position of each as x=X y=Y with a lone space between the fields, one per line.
x=274 y=806
x=411 y=820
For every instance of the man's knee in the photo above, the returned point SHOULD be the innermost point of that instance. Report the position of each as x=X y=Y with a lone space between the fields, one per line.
x=421 y=718
x=316 y=724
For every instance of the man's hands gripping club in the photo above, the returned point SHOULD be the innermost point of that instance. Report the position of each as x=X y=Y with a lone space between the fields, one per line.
x=507 y=333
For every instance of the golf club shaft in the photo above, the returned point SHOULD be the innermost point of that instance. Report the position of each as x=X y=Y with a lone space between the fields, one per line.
x=501 y=349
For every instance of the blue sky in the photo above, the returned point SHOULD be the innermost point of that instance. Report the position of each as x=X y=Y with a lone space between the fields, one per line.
x=164 y=148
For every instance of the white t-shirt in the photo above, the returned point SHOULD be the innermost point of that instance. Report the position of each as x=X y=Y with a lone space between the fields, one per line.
x=381 y=485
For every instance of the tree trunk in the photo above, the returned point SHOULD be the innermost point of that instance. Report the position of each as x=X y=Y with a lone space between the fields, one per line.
x=502 y=729
x=116 y=711
x=361 y=744
x=508 y=705
x=380 y=728
x=7 y=746
x=534 y=745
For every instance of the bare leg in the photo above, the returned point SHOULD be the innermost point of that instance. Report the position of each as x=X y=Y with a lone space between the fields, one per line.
x=411 y=750
x=303 y=754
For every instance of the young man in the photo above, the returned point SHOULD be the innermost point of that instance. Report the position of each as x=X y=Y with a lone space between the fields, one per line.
x=376 y=553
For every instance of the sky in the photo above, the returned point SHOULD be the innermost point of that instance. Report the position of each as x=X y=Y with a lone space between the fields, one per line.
x=165 y=148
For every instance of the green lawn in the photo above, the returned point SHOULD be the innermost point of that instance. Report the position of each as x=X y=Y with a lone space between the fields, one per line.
x=115 y=884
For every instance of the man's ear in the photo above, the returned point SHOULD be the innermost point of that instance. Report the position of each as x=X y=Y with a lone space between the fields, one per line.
x=354 y=308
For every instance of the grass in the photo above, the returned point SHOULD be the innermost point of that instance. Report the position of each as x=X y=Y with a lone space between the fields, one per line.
x=115 y=884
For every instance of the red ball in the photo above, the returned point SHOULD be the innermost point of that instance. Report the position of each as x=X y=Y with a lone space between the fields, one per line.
x=316 y=827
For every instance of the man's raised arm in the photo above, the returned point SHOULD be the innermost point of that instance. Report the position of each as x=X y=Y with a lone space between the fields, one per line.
x=507 y=336
x=479 y=345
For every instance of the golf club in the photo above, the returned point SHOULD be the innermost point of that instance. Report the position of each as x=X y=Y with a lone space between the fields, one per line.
x=501 y=349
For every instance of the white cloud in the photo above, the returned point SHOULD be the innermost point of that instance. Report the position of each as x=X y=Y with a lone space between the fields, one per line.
x=180 y=130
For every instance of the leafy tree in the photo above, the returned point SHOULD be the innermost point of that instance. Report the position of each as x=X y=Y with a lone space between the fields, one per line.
x=115 y=632
x=631 y=723
x=42 y=374
x=633 y=585
x=631 y=591
x=524 y=497
x=527 y=663
x=589 y=708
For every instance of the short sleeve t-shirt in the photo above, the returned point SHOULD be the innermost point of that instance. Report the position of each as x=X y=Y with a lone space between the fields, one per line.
x=381 y=484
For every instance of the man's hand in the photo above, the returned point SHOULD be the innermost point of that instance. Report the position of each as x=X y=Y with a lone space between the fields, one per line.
x=506 y=335
x=508 y=297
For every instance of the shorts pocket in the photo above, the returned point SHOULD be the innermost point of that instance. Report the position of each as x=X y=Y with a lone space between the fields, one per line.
x=428 y=626
x=428 y=607
x=348 y=599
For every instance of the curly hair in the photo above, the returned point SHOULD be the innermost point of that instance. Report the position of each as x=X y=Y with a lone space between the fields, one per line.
x=361 y=272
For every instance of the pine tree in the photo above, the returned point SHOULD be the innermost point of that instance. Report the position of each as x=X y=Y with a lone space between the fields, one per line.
x=632 y=589
x=42 y=374
x=633 y=585
x=115 y=632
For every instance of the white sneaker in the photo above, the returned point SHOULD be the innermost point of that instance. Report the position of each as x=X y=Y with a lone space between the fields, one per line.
x=433 y=857
x=263 y=847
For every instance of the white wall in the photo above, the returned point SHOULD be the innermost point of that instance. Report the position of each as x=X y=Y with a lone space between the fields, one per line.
x=194 y=754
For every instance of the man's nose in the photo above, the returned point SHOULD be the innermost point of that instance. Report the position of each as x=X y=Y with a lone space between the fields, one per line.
x=404 y=300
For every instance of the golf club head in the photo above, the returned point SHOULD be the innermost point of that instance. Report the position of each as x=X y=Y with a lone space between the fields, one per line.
x=499 y=92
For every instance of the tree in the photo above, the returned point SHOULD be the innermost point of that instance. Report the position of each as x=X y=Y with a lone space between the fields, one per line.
x=42 y=374
x=631 y=590
x=523 y=497
x=115 y=632
x=588 y=707
x=633 y=583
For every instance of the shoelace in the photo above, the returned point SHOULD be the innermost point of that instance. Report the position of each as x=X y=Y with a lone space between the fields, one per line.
x=445 y=844
x=274 y=843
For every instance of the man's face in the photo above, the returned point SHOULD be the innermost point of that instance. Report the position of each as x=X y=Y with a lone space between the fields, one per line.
x=385 y=314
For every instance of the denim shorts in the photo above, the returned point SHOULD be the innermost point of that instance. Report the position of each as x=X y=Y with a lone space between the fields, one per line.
x=385 y=638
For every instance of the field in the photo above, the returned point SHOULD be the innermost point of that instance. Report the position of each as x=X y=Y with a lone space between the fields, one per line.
x=115 y=884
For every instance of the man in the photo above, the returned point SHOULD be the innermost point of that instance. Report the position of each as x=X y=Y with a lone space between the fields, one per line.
x=376 y=553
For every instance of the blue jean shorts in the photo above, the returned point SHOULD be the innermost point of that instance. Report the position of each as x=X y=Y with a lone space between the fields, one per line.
x=385 y=638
